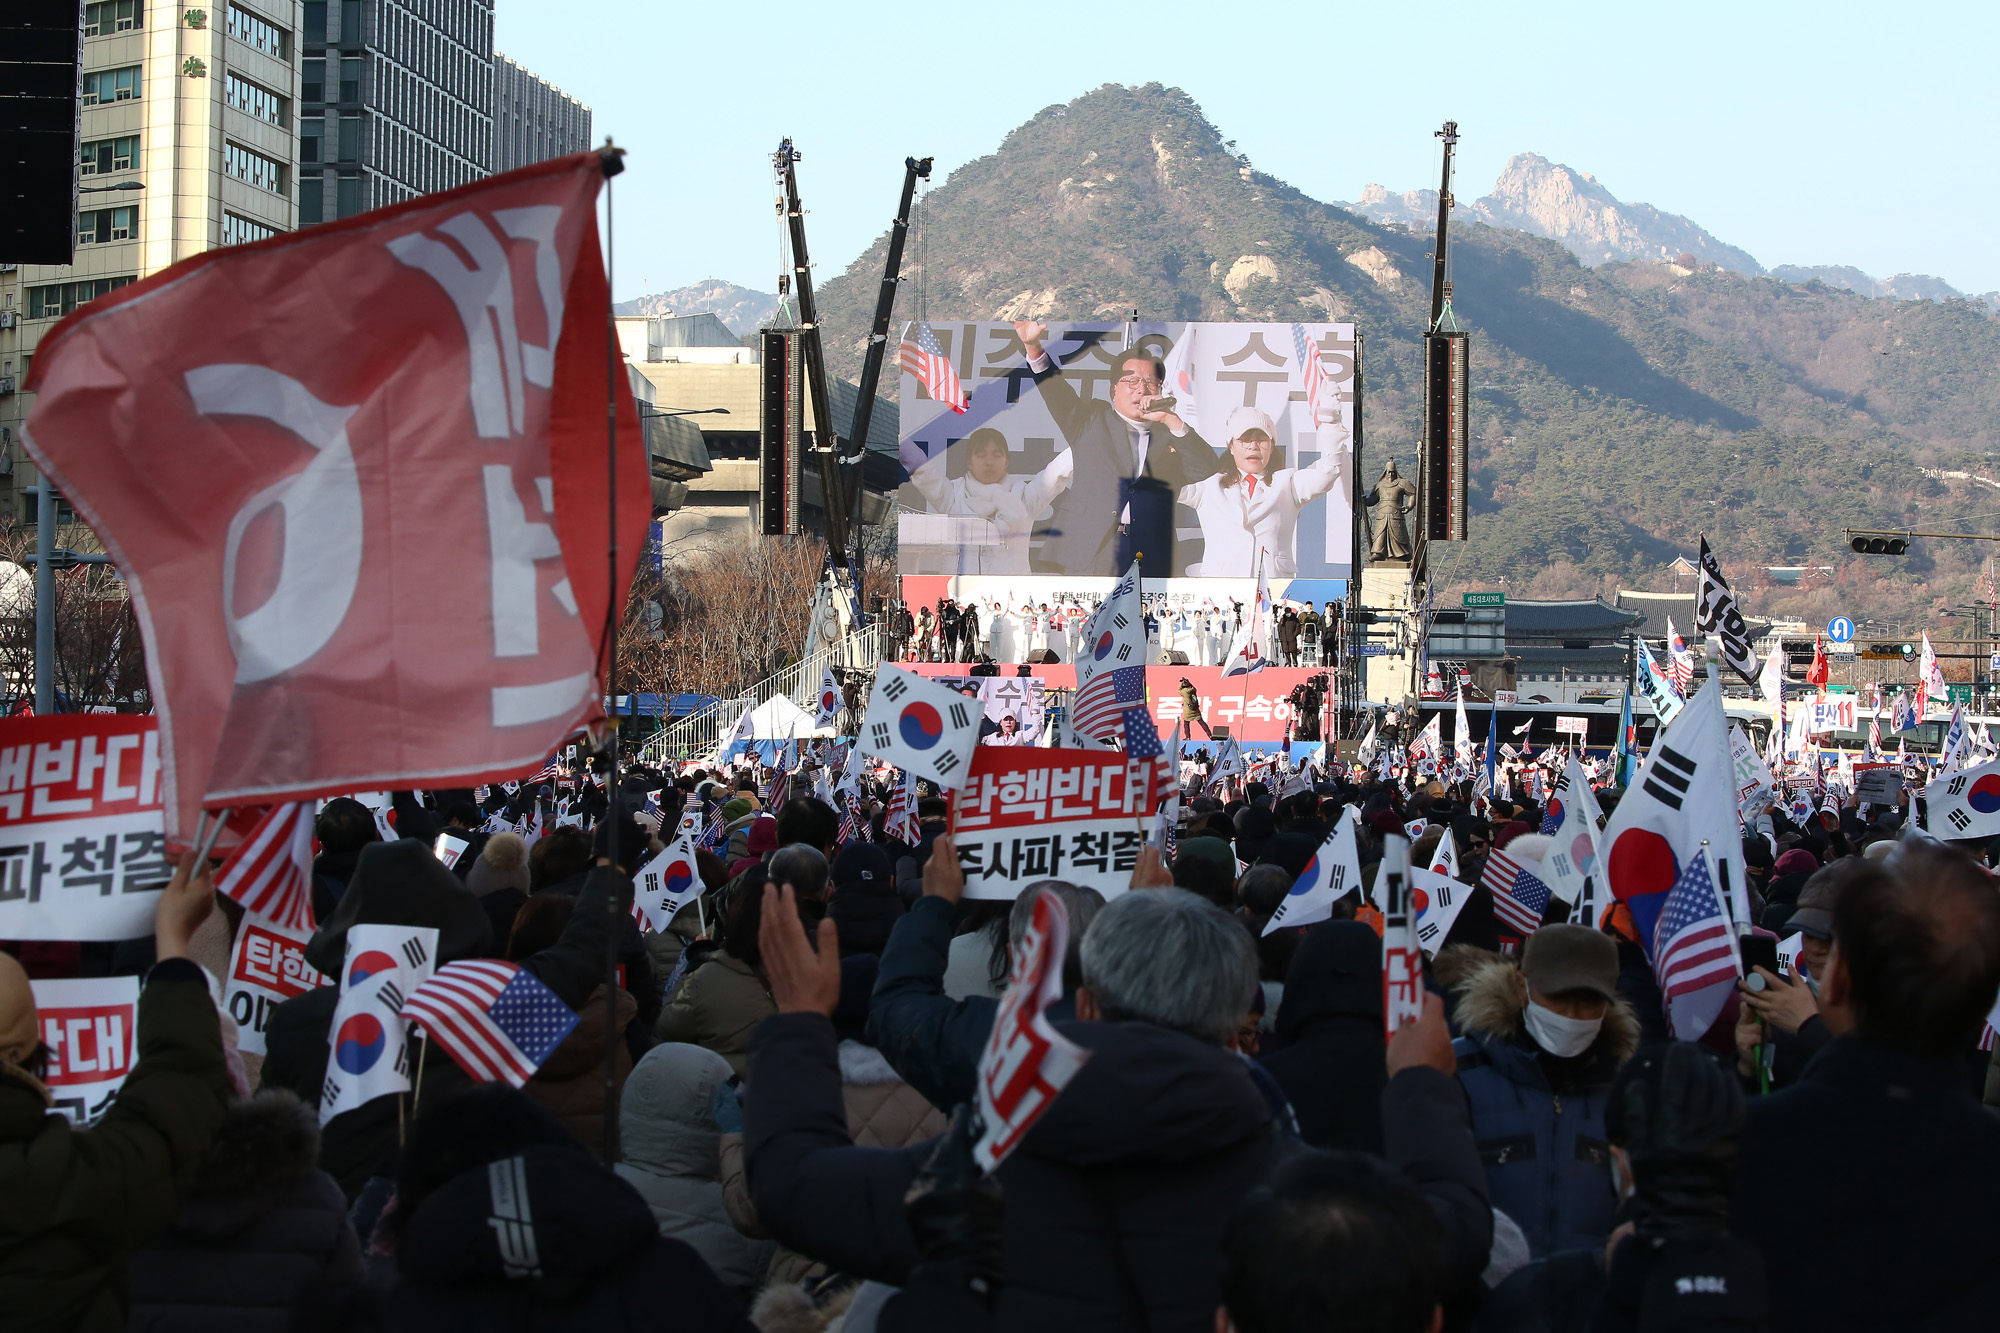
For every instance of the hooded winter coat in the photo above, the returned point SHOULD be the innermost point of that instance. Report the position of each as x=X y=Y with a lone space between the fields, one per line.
x=581 y=1252
x=262 y=1244
x=675 y=1108
x=1330 y=1021
x=402 y=883
x=570 y=1082
x=882 y=1110
x=1539 y=1120
x=75 y=1203
x=718 y=1005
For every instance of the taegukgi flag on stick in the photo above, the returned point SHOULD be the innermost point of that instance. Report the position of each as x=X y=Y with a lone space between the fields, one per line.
x=420 y=388
x=667 y=883
x=369 y=1056
x=1966 y=804
x=920 y=725
x=1333 y=872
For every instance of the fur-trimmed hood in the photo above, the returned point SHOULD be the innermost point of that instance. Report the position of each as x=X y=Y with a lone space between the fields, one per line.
x=1491 y=1000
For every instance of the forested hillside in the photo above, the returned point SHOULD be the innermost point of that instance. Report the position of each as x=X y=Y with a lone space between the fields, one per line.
x=1618 y=410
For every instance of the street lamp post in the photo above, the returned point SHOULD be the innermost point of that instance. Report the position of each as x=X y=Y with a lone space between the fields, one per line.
x=46 y=560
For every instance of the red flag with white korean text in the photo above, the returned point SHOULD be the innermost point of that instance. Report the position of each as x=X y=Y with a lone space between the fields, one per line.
x=1026 y=1061
x=356 y=479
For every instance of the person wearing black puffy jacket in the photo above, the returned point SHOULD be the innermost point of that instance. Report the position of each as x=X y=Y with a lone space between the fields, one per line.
x=502 y=1220
x=263 y=1241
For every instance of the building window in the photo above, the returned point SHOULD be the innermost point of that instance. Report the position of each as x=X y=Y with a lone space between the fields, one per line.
x=101 y=20
x=59 y=298
x=350 y=137
x=350 y=79
x=247 y=97
x=312 y=132
x=312 y=80
x=350 y=22
x=347 y=200
x=111 y=85
x=315 y=16
x=312 y=201
x=240 y=230
x=101 y=226
x=260 y=33
x=253 y=168
x=102 y=156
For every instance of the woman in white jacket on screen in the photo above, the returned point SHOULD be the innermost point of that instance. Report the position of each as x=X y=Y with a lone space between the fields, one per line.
x=1010 y=504
x=1250 y=506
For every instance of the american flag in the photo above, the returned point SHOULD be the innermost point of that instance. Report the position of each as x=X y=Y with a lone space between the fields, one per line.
x=854 y=826
x=1680 y=661
x=1519 y=896
x=495 y=1018
x=928 y=363
x=552 y=769
x=712 y=835
x=1691 y=952
x=1310 y=369
x=270 y=872
x=1142 y=741
x=1875 y=733
x=901 y=823
x=1098 y=709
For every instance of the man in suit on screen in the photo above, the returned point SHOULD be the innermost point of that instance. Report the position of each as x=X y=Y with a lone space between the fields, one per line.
x=1131 y=459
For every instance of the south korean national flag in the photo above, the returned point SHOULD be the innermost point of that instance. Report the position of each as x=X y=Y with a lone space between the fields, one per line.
x=369 y=1037
x=1967 y=804
x=829 y=699
x=921 y=726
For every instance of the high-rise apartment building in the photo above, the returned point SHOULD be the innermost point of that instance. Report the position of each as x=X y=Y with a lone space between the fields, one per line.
x=533 y=120
x=189 y=140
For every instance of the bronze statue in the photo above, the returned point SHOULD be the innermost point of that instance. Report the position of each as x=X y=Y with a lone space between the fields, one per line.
x=1397 y=498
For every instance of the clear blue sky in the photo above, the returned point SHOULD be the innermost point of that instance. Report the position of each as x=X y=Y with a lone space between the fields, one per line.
x=1818 y=133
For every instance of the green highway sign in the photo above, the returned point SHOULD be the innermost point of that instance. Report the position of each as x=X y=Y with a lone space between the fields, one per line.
x=1485 y=599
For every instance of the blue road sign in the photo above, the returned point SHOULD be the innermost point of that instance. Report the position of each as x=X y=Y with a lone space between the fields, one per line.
x=1840 y=629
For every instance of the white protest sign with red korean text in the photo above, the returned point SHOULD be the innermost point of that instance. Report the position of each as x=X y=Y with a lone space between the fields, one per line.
x=82 y=852
x=1030 y=814
x=404 y=400
x=267 y=966
x=91 y=1029
x=1026 y=1061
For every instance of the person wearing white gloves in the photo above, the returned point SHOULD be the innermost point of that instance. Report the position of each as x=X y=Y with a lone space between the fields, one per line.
x=1253 y=503
x=1009 y=504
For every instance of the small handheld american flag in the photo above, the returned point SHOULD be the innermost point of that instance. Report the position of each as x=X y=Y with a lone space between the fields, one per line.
x=1693 y=955
x=270 y=872
x=1519 y=896
x=929 y=364
x=495 y=1018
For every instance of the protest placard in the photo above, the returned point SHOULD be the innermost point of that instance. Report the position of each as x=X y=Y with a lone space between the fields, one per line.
x=1030 y=814
x=91 y=1030
x=83 y=851
x=266 y=967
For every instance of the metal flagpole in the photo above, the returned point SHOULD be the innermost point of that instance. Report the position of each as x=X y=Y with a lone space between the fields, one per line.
x=610 y=158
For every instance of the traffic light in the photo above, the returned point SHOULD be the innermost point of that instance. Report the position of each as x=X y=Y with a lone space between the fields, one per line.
x=1877 y=544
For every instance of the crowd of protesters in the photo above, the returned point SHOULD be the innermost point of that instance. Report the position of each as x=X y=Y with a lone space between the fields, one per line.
x=785 y=1141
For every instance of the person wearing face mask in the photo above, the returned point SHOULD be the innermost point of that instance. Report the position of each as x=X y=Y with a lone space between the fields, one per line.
x=1542 y=1042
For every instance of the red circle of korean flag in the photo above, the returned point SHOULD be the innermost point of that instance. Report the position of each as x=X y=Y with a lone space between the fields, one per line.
x=1308 y=878
x=920 y=725
x=367 y=965
x=1985 y=794
x=1555 y=809
x=1639 y=863
x=1104 y=645
x=359 y=1043
x=1420 y=901
x=679 y=876
x=827 y=700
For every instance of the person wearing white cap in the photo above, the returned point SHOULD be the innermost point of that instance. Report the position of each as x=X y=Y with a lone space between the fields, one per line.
x=1252 y=505
x=1008 y=504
